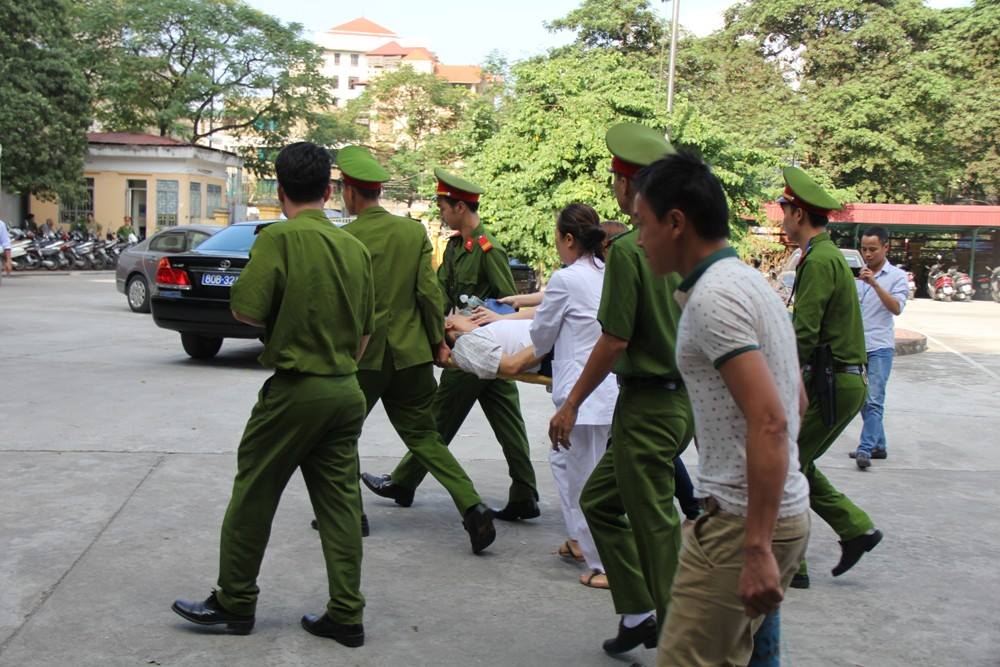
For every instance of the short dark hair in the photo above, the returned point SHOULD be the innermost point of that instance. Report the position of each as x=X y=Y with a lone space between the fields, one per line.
x=471 y=205
x=881 y=232
x=683 y=181
x=303 y=171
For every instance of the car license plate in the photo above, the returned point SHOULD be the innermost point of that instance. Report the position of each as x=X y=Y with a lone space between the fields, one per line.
x=218 y=279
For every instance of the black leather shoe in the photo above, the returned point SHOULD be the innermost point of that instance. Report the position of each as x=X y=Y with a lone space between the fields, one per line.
x=851 y=551
x=515 y=511
x=382 y=486
x=365 y=528
x=629 y=638
x=478 y=522
x=210 y=612
x=800 y=581
x=348 y=634
x=880 y=454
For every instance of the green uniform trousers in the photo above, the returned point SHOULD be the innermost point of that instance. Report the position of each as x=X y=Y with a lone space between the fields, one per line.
x=846 y=518
x=309 y=422
x=408 y=398
x=635 y=477
x=455 y=396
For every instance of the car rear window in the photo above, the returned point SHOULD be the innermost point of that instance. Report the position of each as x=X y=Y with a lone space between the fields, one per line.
x=237 y=238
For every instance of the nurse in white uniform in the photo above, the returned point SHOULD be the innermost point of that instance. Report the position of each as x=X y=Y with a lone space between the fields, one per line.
x=566 y=323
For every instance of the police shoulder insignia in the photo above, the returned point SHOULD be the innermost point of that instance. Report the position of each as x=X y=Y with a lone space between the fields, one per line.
x=468 y=245
x=485 y=244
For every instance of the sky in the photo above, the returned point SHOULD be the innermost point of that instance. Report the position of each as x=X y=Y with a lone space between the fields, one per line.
x=463 y=32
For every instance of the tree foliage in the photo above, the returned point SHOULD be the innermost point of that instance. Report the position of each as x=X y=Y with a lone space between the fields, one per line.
x=624 y=25
x=549 y=149
x=44 y=101
x=193 y=69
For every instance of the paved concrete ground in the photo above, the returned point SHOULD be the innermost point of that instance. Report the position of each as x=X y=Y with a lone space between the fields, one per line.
x=118 y=453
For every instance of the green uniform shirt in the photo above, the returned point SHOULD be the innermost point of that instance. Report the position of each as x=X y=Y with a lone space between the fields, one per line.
x=826 y=305
x=639 y=307
x=311 y=285
x=471 y=268
x=407 y=298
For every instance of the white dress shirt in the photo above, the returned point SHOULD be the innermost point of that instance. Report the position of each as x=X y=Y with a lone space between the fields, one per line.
x=566 y=321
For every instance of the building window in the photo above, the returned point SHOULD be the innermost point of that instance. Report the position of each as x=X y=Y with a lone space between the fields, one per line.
x=267 y=190
x=336 y=82
x=354 y=59
x=352 y=82
x=336 y=58
x=80 y=211
x=166 y=203
x=213 y=198
x=194 y=212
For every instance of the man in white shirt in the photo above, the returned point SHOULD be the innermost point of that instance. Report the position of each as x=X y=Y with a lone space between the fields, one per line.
x=882 y=291
x=737 y=354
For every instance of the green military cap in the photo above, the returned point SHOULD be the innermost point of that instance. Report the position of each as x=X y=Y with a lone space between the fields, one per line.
x=456 y=187
x=359 y=168
x=803 y=192
x=635 y=146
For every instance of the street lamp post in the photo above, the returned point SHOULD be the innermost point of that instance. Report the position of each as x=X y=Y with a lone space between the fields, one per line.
x=674 y=23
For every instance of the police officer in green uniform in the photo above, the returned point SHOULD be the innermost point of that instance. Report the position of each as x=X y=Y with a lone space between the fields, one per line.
x=831 y=348
x=309 y=284
x=409 y=329
x=474 y=265
x=652 y=422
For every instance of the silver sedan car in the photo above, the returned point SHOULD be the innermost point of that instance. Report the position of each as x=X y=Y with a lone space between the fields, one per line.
x=137 y=265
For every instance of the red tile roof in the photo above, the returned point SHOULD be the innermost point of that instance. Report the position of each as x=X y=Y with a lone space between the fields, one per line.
x=132 y=139
x=390 y=49
x=420 y=53
x=460 y=73
x=925 y=215
x=362 y=25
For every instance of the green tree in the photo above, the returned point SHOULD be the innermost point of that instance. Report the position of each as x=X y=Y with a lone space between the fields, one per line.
x=969 y=46
x=548 y=150
x=624 y=25
x=44 y=101
x=873 y=98
x=408 y=114
x=194 y=69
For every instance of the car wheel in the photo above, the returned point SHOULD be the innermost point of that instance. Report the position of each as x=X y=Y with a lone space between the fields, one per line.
x=200 y=347
x=137 y=293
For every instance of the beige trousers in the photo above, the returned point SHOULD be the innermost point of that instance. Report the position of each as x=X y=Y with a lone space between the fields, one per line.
x=706 y=626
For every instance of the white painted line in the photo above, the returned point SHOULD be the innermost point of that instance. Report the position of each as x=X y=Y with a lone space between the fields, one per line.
x=971 y=362
x=103 y=280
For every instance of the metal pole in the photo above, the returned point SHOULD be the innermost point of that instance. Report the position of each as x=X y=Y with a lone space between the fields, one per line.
x=674 y=24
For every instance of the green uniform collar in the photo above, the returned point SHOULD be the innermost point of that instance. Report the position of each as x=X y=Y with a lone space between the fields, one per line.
x=311 y=214
x=371 y=211
x=703 y=265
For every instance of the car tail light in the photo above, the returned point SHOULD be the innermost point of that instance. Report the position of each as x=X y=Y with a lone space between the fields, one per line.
x=168 y=276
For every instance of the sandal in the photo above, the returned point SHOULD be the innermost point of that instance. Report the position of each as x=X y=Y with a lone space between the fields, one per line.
x=595 y=579
x=567 y=551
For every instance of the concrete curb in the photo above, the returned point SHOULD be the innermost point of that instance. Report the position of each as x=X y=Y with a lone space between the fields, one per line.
x=909 y=342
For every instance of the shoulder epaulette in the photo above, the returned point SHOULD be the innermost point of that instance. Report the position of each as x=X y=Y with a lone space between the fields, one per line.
x=485 y=244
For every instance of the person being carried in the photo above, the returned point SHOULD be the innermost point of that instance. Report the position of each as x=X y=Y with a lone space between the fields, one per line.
x=502 y=348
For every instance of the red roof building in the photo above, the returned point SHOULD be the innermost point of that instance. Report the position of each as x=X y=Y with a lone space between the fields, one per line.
x=362 y=26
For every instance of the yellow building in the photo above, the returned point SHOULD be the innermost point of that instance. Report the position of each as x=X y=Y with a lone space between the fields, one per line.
x=148 y=182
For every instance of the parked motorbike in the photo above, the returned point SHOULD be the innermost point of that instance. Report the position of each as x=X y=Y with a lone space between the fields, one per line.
x=964 y=289
x=994 y=283
x=940 y=285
